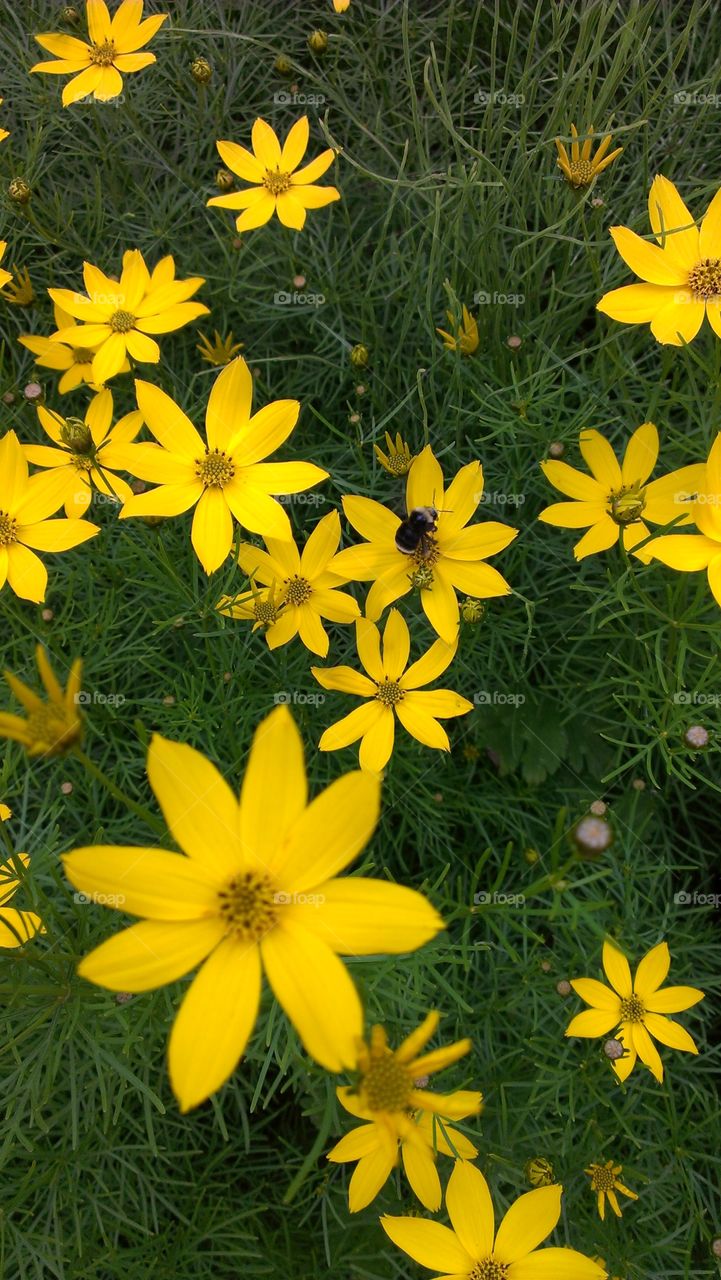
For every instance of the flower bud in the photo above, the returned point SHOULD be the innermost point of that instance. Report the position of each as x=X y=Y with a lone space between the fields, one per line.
x=359 y=355
x=224 y=180
x=201 y=70
x=318 y=41
x=19 y=191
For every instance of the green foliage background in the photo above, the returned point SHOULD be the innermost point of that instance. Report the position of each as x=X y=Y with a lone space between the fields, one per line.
x=446 y=114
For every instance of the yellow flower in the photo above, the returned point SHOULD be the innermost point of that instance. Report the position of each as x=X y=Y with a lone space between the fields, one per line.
x=16 y=927
x=279 y=186
x=75 y=362
x=399 y=1115
x=5 y=813
x=25 y=504
x=5 y=276
x=444 y=561
x=20 y=291
x=581 y=169
x=604 y=1181
x=615 y=501
x=86 y=451
x=636 y=1007
x=473 y=1251
x=307 y=587
x=681 y=273
x=391 y=688
x=220 y=351
x=255 y=889
x=464 y=336
x=119 y=316
x=226 y=477
x=340 y=6
x=53 y=725
x=692 y=552
x=261 y=605
x=399 y=457
x=113 y=48
x=4 y=133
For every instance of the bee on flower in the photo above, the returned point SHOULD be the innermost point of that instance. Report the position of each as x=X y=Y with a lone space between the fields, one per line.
x=113 y=48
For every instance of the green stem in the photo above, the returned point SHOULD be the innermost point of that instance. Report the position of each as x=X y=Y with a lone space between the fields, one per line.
x=96 y=772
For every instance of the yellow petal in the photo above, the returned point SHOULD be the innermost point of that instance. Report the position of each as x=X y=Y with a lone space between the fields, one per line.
x=143 y=882
x=526 y=1224
x=556 y=1264
x=329 y=833
x=679 y=321
x=359 y=916
x=170 y=426
x=596 y=994
x=600 y=460
x=370 y=1174
x=673 y=999
x=314 y=169
x=617 y=970
x=593 y=1022
x=197 y=803
x=351 y=727
x=440 y=603
x=424 y=486
x=647 y=260
x=314 y=988
x=686 y=553
x=599 y=538
x=572 y=482
x=672 y=223
x=470 y=1208
x=362 y=1141
x=420 y=1170
x=422 y=726
x=81 y=86
x=647 y=1051
x=294 y=147
x=151 y=954
x=109 y=357
x=430 y=1243
x=396 y=645
x=265 y=432
x=229 y=404
x=26 y=574
x=669 y=1032
x=573 y=515
x=652 y=971
x=266 y=145
x=276 y=769
x=430 y=665
x=212 y=530
x=371 y=520
x=376 y=745
x=635 y=303
x=240 y=161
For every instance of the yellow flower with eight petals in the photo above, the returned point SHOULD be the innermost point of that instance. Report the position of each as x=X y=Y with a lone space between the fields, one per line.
x=255 y=889
x=391 y=688
x=400 y=1115
x=16 y=927
x=53 y=725
x=76 y=363
x=113 y=48
x=690 y=553
x=464 y=335
x=616 y=500
x=279 y=186
x=605 y=1183
x=397 y=461
x=637 y=1007
x=681 y=274
x=581 y=169
x=224 y=478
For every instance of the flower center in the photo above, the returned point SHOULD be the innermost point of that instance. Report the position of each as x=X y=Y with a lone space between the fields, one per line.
x=387 y=1085
x=50 y=731
x=8 y=529
x=265 y=612
x=427 y=552
x=704 y=280
x=247 y=905
x=215 y=469
x=390 y=693
x=76 y=435
x=102 y=54
x=297 y=590
x=489 y=1269
x=582 y=173
x=421 y=578
x=399 y=464
x=121 y=322
x=602 y=1179
x=627 y=504
x=276 y=182
x=632 y=1010
x=82 y=355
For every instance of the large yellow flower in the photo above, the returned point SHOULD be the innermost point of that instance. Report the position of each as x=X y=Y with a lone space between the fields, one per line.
x=279 y=186
x=119 y=315
x=25 y=504
x=226 y=477
x=5 y=276
x=16 y=927
x=400 y=1116
x=307 y=589
x=473 y=1251
x=53 y=725
x=391 y=688
x=616 y=500
x=445 y=562
x=112 y=49
x=76 y=363
x=255 y=889
x=637 y=1007
x=693 y=552
x=681 y=273
x=86 y=451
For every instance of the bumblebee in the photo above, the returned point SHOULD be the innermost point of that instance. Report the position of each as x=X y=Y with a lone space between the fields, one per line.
x=413 y=533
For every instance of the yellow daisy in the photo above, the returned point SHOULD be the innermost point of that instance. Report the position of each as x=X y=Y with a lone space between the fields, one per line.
x=260 y=605
x=4 y=133
x=52 y=725
x=113 y=47
x=118 y=316
x=16 y=927
x=605 y=1184
x=391 y=688
x=581 y=169
x=225 y=477
x=464 y=335
x=255 y=889
x=220 y=351
x=445 y=561
x=637 y=1008
x=690 y=553
x=279 y=186
x=5 y=813
x=5 y=276
x=473 y=1250
x=25 y=504
x=307 y=588
x=76 y=363
x=397 y=461
x=617 y=500
x=20 y=291
x=85 y=450
x=681 y=273
x=400 y=1116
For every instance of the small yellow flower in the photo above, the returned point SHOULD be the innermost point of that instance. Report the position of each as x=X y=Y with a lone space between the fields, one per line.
x=691 y=553
x=118 y=317
x=391 y=689
x=581 y=169
x=359 y=355
x=260 y=605
x=16 y=927
x=5 y=276
x=5 y=813
x=399 y=457
x=616 y=500
x=472 y=610
x=400 y=1116
x=464 y=335
x=279 y=186
x=539 y=1172
x=76 y=363
x=605 y=1183
x=637 y=1007
x=4 y=133
x=20 y=290
x=113 y=47
x=340 y=6
x=53 y=725
x=681 y=273
x=220 y=351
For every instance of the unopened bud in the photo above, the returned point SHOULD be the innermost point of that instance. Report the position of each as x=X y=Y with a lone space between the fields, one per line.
x=19 y=191
x=318 y=41
x=201 y=70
